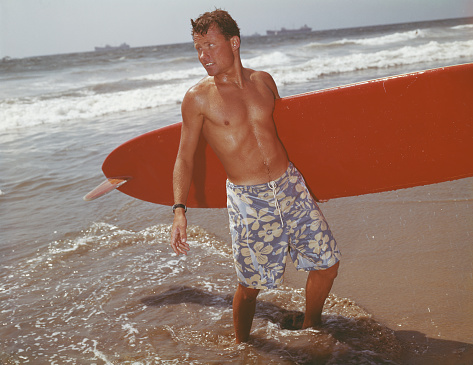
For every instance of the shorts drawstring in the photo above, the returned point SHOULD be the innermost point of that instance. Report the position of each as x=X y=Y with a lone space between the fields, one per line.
x=272 y=185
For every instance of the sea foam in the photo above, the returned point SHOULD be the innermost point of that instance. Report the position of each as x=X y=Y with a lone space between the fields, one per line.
x=407 y=55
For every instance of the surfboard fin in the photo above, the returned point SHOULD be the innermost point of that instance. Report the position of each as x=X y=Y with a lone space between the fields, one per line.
x=105 y=187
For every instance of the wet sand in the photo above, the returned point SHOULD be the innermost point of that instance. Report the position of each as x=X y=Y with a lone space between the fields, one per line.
x=407 y=259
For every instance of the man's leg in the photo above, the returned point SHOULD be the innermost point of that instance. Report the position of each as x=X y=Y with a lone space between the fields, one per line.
x=244 y=305
x=319 y=283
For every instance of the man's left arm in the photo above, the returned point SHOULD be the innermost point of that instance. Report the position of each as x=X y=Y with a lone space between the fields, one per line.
x=269 y=82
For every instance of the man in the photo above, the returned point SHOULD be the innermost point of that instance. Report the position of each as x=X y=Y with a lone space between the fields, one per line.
x=271 y=211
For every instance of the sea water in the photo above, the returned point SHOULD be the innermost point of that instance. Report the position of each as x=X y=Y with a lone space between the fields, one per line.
x=97 y=282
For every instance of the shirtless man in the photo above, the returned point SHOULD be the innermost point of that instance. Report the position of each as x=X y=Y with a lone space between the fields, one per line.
x=233 y=109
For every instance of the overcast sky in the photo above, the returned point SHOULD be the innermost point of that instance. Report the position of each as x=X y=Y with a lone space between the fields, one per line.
x=40 y=27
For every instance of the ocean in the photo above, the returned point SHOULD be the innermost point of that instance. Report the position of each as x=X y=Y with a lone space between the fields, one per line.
x=97 y=283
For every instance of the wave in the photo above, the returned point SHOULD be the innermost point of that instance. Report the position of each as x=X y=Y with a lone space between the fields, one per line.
x=407 y=55
x=391 y=38
x=31 y=111
x=95 y=100
x=373 y=41
x=463 y=26
x=268 y=60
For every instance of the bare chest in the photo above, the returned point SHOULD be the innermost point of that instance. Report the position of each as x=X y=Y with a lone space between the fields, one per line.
x=237 y=109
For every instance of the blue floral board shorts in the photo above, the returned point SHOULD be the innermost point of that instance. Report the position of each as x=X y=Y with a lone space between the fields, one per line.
x=268 y=221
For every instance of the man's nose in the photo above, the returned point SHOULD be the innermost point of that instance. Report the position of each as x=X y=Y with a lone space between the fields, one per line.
x=203 y=56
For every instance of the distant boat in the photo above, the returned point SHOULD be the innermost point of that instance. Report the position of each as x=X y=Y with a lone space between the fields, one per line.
x=304 y=29
x=111 y=48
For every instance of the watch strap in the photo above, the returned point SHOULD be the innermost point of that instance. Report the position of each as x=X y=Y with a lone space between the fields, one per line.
x=175 y=206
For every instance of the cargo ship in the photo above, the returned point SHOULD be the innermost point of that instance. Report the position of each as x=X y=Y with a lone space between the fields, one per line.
x=111 y=48
x=304 y=29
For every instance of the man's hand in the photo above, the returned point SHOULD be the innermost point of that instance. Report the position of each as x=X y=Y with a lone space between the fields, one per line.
x=178 y=234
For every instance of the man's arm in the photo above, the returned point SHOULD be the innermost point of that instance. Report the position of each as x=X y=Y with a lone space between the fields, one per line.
x=272 y=85
x=268 y=80
x=182 y=174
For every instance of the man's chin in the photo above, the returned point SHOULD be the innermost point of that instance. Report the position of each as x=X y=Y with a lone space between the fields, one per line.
x=210 y=71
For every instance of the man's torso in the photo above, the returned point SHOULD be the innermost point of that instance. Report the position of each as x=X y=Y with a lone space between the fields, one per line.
x=238 y=125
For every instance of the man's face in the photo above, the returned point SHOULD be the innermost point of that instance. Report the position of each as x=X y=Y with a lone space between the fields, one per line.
x=214 y=51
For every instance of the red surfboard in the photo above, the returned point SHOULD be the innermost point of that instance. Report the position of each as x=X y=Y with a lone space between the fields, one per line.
x=379 y=135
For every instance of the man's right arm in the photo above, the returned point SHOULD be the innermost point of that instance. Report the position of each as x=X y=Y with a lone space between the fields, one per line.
x=182 y=174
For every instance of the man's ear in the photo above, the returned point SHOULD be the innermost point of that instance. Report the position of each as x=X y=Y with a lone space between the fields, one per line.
x=235 y=42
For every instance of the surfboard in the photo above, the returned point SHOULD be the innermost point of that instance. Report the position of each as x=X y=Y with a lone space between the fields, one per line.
x=368 y=137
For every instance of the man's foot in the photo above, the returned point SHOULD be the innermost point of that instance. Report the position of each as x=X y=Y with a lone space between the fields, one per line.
x=292 y=321
x=316 y=324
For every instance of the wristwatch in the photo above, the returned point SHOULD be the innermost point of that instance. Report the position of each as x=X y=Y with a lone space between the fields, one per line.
x=175 y=206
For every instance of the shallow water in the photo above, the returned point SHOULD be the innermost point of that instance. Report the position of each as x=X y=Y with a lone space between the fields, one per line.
x=122 y=296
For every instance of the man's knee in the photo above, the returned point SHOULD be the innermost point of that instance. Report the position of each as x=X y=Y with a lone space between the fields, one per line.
x=332 y=271
x=246 y=294
x=327 y=274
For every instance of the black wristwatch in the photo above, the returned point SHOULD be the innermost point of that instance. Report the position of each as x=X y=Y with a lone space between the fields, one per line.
x=175 y=206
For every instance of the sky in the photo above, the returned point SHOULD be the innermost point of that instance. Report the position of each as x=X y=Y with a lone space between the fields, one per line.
x=43 y=27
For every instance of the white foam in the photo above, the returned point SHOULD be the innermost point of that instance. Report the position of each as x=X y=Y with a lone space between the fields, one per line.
x=390 y=38
x=130 y=332
x=195 y=72
x=26 y=112
x=429 y=52
x=267 y=60
x=464 y=26
x=374 y=41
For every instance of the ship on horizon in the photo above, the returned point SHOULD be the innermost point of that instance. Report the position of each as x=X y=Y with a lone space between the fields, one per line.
x=304 y=29
x=111 y=48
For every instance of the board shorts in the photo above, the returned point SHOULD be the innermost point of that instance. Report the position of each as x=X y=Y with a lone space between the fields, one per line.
x=268 y=221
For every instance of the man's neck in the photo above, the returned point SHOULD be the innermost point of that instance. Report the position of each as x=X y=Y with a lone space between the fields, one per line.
x=234 y=76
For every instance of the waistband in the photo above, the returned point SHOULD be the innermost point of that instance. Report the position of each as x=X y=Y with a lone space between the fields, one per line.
x=264 y=186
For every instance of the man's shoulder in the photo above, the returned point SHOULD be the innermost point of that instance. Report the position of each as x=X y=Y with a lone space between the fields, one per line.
x=201 y=87
x=196 y=98
x=263 y=77
x=258 y=75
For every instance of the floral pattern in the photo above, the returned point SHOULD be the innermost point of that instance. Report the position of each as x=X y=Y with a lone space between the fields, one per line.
x=261 y=240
